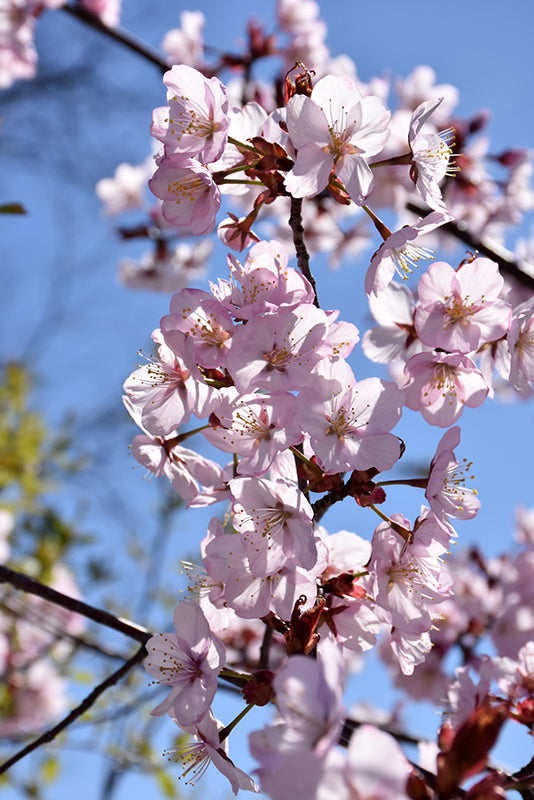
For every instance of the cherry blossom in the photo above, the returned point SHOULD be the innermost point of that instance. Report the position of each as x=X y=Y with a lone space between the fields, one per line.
x=400 y=254
x=208 y=749
x=521 y=346
x=205 y=322
x=349 y=427
x=189 y=662
x=185 y=45
x=190 y=197
x=431 y=156
x=336 y=129
x=257 y=428
x=275 y=520
x=440 y=385
x=447 y=492
x=459 y=310
x=195 y=123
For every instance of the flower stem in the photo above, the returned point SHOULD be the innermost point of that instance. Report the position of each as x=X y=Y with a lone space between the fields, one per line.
x=229 y=728
x=400 y=529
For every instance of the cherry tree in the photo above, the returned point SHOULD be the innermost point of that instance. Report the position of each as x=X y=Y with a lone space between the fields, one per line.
x=253 y=409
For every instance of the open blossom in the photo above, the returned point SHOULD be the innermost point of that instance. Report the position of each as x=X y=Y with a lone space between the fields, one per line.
x=275 y=520
x=188 y=661
x=277 y=352
x=196 y=756
x=439 y=385
x=521 y=347
x=263 y=283
x=431 y=155
x=195 y=123
x=394 y=338
x=349 y=424
x=400 y=253
x=460 y=310
x=291 y=752
x=190 y=196
x=125 y=190
x=336 y=129
x=447 y=492
x=206 y=323
x=185 y=45
x=257 y=428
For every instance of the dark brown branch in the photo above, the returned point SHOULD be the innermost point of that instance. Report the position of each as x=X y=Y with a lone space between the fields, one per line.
x=303 y=258
x=27 y=584
x=118 y=35
x=502 y=257
x=77 y=712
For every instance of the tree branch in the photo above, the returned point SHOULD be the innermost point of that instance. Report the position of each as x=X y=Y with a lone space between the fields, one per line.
x=303 y=258
x=27 y=584
x=118 y=35
x=77 y=712
x=503 y=257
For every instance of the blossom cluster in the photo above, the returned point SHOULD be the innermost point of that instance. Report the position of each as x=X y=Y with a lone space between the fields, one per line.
x=265 y=370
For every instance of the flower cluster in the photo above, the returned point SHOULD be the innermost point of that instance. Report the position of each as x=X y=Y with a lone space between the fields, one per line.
x=261 y=372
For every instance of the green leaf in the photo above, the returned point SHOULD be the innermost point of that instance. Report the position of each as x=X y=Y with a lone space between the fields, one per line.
x=166 y=784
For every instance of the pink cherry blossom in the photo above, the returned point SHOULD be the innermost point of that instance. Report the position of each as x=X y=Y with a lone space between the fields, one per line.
x=205 y=322
x=377 y=769
x=275 y=520
x=447 y=492
x=190 y=196
x=440 y=385
x=188 y=661
x=196 y=757
x=164 y=390
x=195 y=123
x=521 y=346
x=189 y=473
x=226 y=559
x=263 y=284
x=399 y=253
x=349 y=427
x=291 y=752
x=126 y=189
x=336 y=129
x=185 y=45
x=431 y=156
x=460 y=310
x=394 y=338
x=257 y=428
x=277 y=352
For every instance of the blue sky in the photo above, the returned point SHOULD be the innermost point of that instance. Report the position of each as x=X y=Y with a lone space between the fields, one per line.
x=64 y=311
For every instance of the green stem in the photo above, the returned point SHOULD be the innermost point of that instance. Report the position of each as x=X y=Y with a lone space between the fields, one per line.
x=226 y=672
x=400 y=529
x=237 y=143
x=236 y=180
x=229 y=728
x=300 y=455
x=239 y=168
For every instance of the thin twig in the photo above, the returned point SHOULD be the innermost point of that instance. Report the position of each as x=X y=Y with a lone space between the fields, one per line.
x=503 y=257
x=303 y=258
x=77 y=712
x=118 y=35
x=27 y=584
